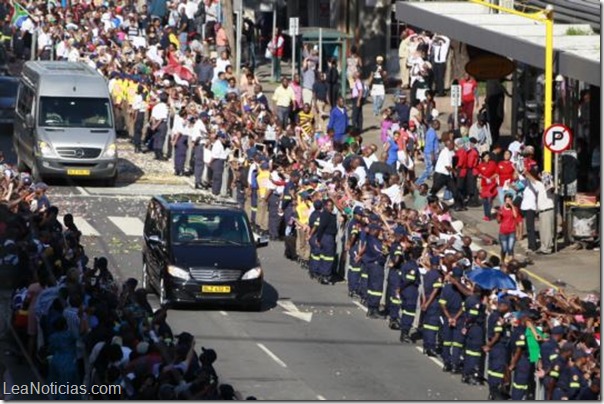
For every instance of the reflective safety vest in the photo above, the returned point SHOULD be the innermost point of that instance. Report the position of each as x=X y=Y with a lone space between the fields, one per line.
x=263 y=179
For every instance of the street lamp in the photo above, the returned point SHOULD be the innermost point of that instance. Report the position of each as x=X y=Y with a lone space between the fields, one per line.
x=545 y=17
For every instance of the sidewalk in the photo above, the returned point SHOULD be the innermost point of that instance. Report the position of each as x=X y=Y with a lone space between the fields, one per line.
x=574 y=271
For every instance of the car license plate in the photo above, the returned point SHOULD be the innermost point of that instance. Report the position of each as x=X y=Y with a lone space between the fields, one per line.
x=215 y=289
x=78 y=172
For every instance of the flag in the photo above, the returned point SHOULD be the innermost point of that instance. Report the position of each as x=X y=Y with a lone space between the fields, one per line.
x=19 y=15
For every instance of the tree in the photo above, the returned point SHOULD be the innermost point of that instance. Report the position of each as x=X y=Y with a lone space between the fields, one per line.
x=229 y=26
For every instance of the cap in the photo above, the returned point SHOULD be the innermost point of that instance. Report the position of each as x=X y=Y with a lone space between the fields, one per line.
x=142 y=348
x=400 y=231
x=568 y=346
x=207 y=355
x=304 y=195
x=41 y=186
x=457 y=272
x=434 y=260
x=558 y=330
x=204 y=114
x=579 y=353
x=317 y=205
x=314 y=179
x=505 y=300
x=358 y=210
x=264 y=165
x=374 y=217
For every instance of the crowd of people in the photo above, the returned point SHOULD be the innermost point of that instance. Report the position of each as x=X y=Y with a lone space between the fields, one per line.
x=298 y=164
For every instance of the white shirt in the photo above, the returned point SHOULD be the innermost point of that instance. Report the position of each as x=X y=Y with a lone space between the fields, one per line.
x=217 y=150
x=440 y=49
x=394 y=193
x=44 y=40
x=221 y=65
x=445 y=159
x=179 y=125
x=160 y=111
x=253 y=168
x=544 y=201
x=529 y=199
x=362 y=174
x=370 y=160
x=73 y=55
x=191 y=9
x=62 y=50
x=199 y=131
x=515 y=148
x=139 y=104
x=276 y=188
x=28 y=25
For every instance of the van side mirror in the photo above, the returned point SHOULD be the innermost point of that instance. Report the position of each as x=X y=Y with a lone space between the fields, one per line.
x=29 y=121
x=261 y=241
x=154 y=239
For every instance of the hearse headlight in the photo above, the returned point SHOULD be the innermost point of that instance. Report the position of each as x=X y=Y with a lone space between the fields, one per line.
x=254 y=273
x=178 y=272
x=45 y=149
x=111 y=150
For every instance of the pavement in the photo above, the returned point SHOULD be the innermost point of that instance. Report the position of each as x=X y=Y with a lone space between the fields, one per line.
x=309 y=342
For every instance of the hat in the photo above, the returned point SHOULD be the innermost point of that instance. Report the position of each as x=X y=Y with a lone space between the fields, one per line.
x=558 y=330
x=304 y=195
x=41 y=186
x=358 y=210
x=264 y=165
x=457 y=272
x=505 y=300
x=568 y=346
x=207 y=356
x=374 y=226
x=204 y=114
x=142 y=347
x=579 y=353
x=314 y=179
x=434 y=260
x=317 y=204
x=529 y=150
x=400 y=231
x=374 y=217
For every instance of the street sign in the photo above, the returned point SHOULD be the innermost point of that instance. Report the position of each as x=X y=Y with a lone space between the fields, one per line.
x=294 y=26
x=557 y=138
x=456 y=95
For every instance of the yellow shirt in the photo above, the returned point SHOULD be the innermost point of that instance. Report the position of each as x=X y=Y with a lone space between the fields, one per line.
x=263 y=178
x=303 y=211
x=284 y=97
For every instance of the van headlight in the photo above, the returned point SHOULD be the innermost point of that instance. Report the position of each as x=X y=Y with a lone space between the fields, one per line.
x=252 y=274
x=178 y=272
x=45 y=149
x=111 y=150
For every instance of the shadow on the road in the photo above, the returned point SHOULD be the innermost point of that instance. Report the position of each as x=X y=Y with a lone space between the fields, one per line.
x=306 y=340
x=270 y=296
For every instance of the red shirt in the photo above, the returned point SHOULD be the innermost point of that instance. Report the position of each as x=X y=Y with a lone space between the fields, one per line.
x=507 y=221
x=505 y=169
x=529 y=163
x=468 y=87
x=488 y=187
x=473 y=159
x=462 y=162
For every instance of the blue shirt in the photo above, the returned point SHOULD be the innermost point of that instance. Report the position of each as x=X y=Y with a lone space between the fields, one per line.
x=431 y=146
x=338 y=121
x=392 y=152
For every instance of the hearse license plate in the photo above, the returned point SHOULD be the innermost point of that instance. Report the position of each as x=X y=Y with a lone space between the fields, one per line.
x=78 y=172
x=215 y=289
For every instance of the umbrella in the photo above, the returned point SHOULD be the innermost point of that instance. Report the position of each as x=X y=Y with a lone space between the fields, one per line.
x=488 y=278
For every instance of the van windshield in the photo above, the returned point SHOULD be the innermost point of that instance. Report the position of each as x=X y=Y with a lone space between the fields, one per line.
x=67 y=112
x=227 y=228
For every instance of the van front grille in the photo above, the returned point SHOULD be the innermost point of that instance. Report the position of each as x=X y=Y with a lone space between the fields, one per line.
x=215 y=275
x=79 y=152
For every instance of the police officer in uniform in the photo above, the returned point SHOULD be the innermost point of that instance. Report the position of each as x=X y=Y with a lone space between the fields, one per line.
x=396 y=258
x=473 y=329
x=315 y=249
x=353 y=231
x=559 y=368
x=159 y=125
x=451 y=301
x=408 y=293
x=572 y=380
x=498 y=338
x=139 y=108
x=326 y=238
x=180 y=140
x=275 y=191
x=433 y=282
x=375 y=260
x=520 y=364
x=199 y=138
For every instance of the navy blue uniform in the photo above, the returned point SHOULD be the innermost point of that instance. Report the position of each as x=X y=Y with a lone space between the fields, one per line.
x=408 y=292
x=315 y=251
x=364 y=275
x=326 y=234
x=558 y=367
x=354 y=266
x=431 y=321
x=570 y=384
x=452 y=337
x=474 y=318
x=375 y=259
x=393 y=303
x=522 y=372
x=499 y=353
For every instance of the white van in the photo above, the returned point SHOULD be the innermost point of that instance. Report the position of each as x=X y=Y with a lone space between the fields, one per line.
x=64 y=124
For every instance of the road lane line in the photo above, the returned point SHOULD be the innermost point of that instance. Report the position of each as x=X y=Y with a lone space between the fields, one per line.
x=82 y=191
x=360 y=306
x=433 y=359
x=85 y=227
x=320 y=397
x=130 y=226
x=224 y=313
x=271 y=355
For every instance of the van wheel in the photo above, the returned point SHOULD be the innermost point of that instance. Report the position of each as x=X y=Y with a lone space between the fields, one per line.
x=145 y=278
x=163 y=296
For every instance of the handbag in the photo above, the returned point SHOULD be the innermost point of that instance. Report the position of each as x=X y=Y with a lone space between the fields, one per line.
x=268 y=54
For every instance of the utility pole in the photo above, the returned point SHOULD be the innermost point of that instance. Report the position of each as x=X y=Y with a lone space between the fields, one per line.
x=239 y=11
x=229 y=27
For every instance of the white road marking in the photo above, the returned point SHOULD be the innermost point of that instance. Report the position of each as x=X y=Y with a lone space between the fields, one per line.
x=291 y=310
x=320 y=397
x=130 y=226
x=360 y=306
x=433 y=359
x=224 y=313
x=85 y=227
x=82 y=191
x=271 y=355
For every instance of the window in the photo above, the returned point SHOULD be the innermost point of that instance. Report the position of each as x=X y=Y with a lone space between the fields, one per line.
x=151 y=225
x=68 y=112
x=26 y=100
x=211 y=228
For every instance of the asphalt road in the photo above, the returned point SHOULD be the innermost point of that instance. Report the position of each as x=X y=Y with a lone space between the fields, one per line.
x=337 y=353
